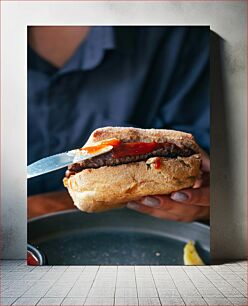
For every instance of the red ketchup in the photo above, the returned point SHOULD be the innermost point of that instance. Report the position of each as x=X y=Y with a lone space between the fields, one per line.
x=133 y=148
x=157 y=163
x=111 y=142
x=32 y=260
x=122 y=149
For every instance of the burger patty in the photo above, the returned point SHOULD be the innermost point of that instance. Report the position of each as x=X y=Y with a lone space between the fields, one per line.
x=107 y=159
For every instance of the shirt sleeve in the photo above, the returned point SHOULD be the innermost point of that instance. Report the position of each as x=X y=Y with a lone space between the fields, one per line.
x=185 y=104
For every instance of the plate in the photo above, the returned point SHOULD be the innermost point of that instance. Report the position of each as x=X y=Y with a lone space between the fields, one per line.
x=116 y=237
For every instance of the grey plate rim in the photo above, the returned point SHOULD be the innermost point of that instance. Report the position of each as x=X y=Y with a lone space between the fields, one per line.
x=54 y=214
x=153 y=225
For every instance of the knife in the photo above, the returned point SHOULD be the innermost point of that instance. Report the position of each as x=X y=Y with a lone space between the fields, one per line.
x=61 y=160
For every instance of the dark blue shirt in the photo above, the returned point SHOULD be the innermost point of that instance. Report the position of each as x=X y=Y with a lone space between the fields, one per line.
x=120 y=76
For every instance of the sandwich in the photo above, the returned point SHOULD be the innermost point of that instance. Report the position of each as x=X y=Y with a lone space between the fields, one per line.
x=141 y=162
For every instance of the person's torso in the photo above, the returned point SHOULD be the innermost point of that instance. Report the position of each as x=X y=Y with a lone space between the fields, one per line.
x=108 y=81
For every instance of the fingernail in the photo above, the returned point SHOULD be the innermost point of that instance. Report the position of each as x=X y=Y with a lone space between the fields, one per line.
x=150 y=201
x=179 y=196
x=133 y=205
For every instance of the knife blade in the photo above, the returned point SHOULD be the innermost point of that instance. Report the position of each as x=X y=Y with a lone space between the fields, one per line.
x=61 y=160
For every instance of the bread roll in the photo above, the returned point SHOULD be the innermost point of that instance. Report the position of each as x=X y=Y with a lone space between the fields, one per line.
x=107 y=187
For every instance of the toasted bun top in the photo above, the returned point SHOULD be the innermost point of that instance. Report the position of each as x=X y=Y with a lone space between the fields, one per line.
x=130 y=134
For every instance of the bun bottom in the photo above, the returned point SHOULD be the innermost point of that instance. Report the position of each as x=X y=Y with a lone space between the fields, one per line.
x=104 y=188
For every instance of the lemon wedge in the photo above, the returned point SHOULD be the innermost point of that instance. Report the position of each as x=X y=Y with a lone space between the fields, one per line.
x=190 y=255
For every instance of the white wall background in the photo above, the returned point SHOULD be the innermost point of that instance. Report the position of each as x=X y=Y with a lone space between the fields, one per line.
x=229 y=141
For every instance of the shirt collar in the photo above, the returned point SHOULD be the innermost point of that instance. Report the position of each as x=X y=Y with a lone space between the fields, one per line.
x=91 y=52
x=100 y=39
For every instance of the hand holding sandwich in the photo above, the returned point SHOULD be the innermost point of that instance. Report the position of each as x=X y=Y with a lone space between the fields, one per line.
x=185 y=205
x=155 y=171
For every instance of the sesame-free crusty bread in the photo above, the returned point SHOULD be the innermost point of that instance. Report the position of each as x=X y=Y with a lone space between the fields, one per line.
x=94 y=190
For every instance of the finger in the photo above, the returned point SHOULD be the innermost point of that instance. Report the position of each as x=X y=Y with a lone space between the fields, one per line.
x=158 y=213
x=198 y=183
x=197 y=196
x=179 y=209
x=206 y=179
x=203 y=180
x=205 y=166
x=177 y=213
x=184 y=211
